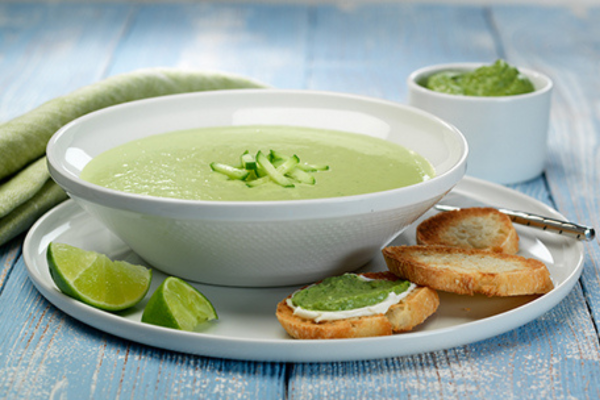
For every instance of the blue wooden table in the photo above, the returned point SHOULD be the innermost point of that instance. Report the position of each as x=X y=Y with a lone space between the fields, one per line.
x=49 y=49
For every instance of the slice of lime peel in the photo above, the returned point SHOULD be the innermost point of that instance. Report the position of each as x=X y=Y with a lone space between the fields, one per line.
x=178 y=305
x=96 y=280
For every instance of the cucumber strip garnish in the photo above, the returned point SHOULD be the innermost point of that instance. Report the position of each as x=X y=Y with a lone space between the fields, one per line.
x=272 y=172
x=251 y=176
x=312 y=167
x=275 y=156
x=288 y=164
x=272 y=167
x=260 y=171
x=284 y=168
x=229 y=171
x=258 y=181
x=248 y=161
x=301 y=176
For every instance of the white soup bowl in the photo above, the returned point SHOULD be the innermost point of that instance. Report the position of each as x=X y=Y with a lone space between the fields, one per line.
x=257 y=243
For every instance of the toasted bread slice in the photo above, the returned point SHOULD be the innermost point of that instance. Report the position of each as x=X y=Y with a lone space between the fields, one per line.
x=468 y=271
x=477 y=228
x=401 y=317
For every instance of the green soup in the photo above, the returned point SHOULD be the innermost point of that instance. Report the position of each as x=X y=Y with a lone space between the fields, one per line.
x=177 y=164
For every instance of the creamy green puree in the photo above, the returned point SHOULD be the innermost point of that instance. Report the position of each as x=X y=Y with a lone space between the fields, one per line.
x=177 y=164
x=346 y=292
x=498 y=79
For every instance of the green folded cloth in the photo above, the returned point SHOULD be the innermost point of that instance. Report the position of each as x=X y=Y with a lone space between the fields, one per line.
x=24 y=215
x=26 y=190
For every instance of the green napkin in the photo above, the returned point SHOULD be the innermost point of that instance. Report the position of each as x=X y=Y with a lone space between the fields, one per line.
x=24 y=215
x=26 y=190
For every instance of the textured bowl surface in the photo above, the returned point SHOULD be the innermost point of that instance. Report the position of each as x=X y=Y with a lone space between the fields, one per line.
x=293 y=242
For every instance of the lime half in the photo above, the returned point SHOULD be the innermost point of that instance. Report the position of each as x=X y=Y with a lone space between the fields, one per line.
x=178 y=305
x=96 y=280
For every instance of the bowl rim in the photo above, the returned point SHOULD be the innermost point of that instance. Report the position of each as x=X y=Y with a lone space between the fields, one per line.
x=415 y=76
x=235 y=210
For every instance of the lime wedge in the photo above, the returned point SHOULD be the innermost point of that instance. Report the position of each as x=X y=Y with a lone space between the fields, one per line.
x=96 y=280
x=178 y=305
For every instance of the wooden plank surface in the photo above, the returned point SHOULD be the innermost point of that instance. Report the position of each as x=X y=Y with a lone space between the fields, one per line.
x=48 y=49
x=266 y=42
x=371 y=50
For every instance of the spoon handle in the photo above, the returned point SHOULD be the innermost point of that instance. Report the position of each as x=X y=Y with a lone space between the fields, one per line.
x=565 y=228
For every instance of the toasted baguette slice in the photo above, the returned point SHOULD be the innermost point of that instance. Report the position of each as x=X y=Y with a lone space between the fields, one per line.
x=401 y=317
x=468 y=271
x=476 y=228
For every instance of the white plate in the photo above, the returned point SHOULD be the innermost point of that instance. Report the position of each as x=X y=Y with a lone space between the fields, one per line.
x=247 y=328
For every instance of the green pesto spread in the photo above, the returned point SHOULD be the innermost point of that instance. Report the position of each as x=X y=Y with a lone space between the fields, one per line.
x=346 y=292
x=498 y=79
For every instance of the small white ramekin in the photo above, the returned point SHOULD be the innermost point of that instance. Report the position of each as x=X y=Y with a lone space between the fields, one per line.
x=507 y=135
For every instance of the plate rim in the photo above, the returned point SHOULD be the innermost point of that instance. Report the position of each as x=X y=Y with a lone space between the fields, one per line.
x=290 y=350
